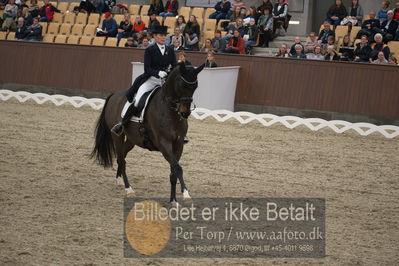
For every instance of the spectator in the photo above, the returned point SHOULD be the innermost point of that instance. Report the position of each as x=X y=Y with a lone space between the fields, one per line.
x=10 y=13
x=236 y=14
x=125 y=28
x=389 y=27
x=156 y=7
x=177 y=45
x=331 y=54
x=109 y=26
x=280 y=12
x=85 y=6
x=325 y=32
x=379 y=47
x=153 y=23
x=171 y=8
x=316 y=54
x=298 y=52
x=396 y=12
x=330 y=41
x=181 y=57
x=208 y=47
x=297 y=41
x=104 y=6
x=177 y=36
x=47 y=11
x=363 y=50
x=192 y=25
x=181 y=23
x=283 y=51
x=265 y=24
x=222 y=9
x=369 y=27
x=355 y=15
x=22 y=5
x=33 y=12
x=138 y=25
x=311 y=43
x=251 y=13
x=191 y=41
x=236 y=44
x=210 y=60
x=382 y=15
x=238 y=25
x=21 y=29
x=252 y=34
x=266 y=4
x=336 y=13
x=346 y=49
x=393 y=61
x=130 y=42
x=34 y=31
x=380 y=59
x=234 y=4
x=145 y=43
x=218 y=43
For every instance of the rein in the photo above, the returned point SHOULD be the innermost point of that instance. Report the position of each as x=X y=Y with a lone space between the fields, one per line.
x=175 y=103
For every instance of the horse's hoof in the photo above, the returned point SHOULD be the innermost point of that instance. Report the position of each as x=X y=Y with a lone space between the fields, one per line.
x=119 y=183
x=186 y=197
x=130 y=192
x=175 y=204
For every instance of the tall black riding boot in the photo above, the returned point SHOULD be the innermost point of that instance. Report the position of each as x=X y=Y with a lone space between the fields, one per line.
x=130 y=112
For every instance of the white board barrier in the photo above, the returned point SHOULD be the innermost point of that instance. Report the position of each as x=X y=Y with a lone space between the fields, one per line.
x=216 y=86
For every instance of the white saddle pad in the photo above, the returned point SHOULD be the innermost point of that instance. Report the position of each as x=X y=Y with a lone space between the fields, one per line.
x=141 y=117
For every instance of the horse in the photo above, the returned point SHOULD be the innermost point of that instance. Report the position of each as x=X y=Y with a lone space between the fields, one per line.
x=165 y=124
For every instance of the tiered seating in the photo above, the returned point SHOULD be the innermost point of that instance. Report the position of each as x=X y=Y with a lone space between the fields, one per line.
x=63 y=6
x=73 y=40
x=69 y=18
x=111 y=42
x=65 y=29
x=198 y=12
x=134 y=9
x=85 y=40
x=184 y=11
x=93 y=19
x=81 y=18
x=60 y=39
x=11 y=36
x=144 y=10
x=98 y=41
x=394 y=47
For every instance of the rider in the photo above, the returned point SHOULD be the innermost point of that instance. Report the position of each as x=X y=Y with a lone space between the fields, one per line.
x=158 y=58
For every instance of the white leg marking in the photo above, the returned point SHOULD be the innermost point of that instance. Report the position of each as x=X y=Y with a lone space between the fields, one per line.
x=186 y=196
x=130 y=192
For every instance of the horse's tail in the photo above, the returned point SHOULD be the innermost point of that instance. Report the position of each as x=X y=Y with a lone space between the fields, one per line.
x=104 y=150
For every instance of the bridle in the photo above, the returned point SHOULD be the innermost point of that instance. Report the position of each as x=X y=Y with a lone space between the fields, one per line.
x=175 y=103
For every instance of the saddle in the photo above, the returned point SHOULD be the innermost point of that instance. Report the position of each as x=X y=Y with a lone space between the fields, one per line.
x=142 y=106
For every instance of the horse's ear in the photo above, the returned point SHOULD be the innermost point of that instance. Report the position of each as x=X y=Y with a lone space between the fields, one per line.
x=199 y=69
x=182 y=67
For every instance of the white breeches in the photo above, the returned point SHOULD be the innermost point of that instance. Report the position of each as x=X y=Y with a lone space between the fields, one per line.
x=145 y=87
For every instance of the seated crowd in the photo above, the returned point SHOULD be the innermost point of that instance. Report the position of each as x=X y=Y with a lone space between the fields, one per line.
x=242 y=28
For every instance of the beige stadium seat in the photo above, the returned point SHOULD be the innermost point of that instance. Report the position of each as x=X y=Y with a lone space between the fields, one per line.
x=170 y=23
x=63 y=6
x=11 y=36
x=3 y=35
x=65 y=29
x=98 y=41
x=354 y=32
x=198 y=12
x=144 y=10
x=184 y=11
x=54 y=3
x=122 y=42
x=77 y=30
x=119 y=18
x=48 y=38
x=53 y=28
x=145 y=19
x=58 y=18
x=210 y=25
x=60 y=39
x=341 y=31
x=44 y=27
x=90 y=30
x=111 y=41
x=40 y=3
x=134 y=9
x=208 y=12
x=81 y=18
x=93 y=19
x=160 y=19
x=72 y=6
x=85 y=40
x=69 y=18
x=394 y=47
x=209 y=35
x=73 y=39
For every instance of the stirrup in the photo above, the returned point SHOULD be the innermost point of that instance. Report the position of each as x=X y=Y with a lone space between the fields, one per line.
x=117 y=129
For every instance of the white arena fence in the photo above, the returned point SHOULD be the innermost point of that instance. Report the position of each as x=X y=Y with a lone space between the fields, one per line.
x=314 y=124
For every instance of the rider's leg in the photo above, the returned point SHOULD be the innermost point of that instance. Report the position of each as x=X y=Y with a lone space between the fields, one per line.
x=133 y=110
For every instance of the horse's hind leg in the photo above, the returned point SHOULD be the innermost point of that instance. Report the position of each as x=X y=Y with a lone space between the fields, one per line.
x=122 y=148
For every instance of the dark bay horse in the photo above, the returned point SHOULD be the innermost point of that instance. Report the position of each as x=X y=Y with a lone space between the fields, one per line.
x=165 y=123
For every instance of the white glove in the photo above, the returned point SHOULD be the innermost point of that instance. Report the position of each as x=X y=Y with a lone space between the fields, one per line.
x=162 y=74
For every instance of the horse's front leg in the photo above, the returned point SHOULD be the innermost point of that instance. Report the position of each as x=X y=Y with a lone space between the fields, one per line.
x=176 y=172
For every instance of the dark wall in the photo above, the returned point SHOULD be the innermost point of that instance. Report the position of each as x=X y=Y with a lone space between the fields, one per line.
x=278 y=82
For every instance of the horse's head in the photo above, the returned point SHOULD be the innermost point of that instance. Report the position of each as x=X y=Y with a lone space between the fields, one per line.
x=185 y=82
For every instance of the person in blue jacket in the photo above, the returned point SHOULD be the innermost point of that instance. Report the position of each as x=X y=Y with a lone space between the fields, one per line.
x=109 y=27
